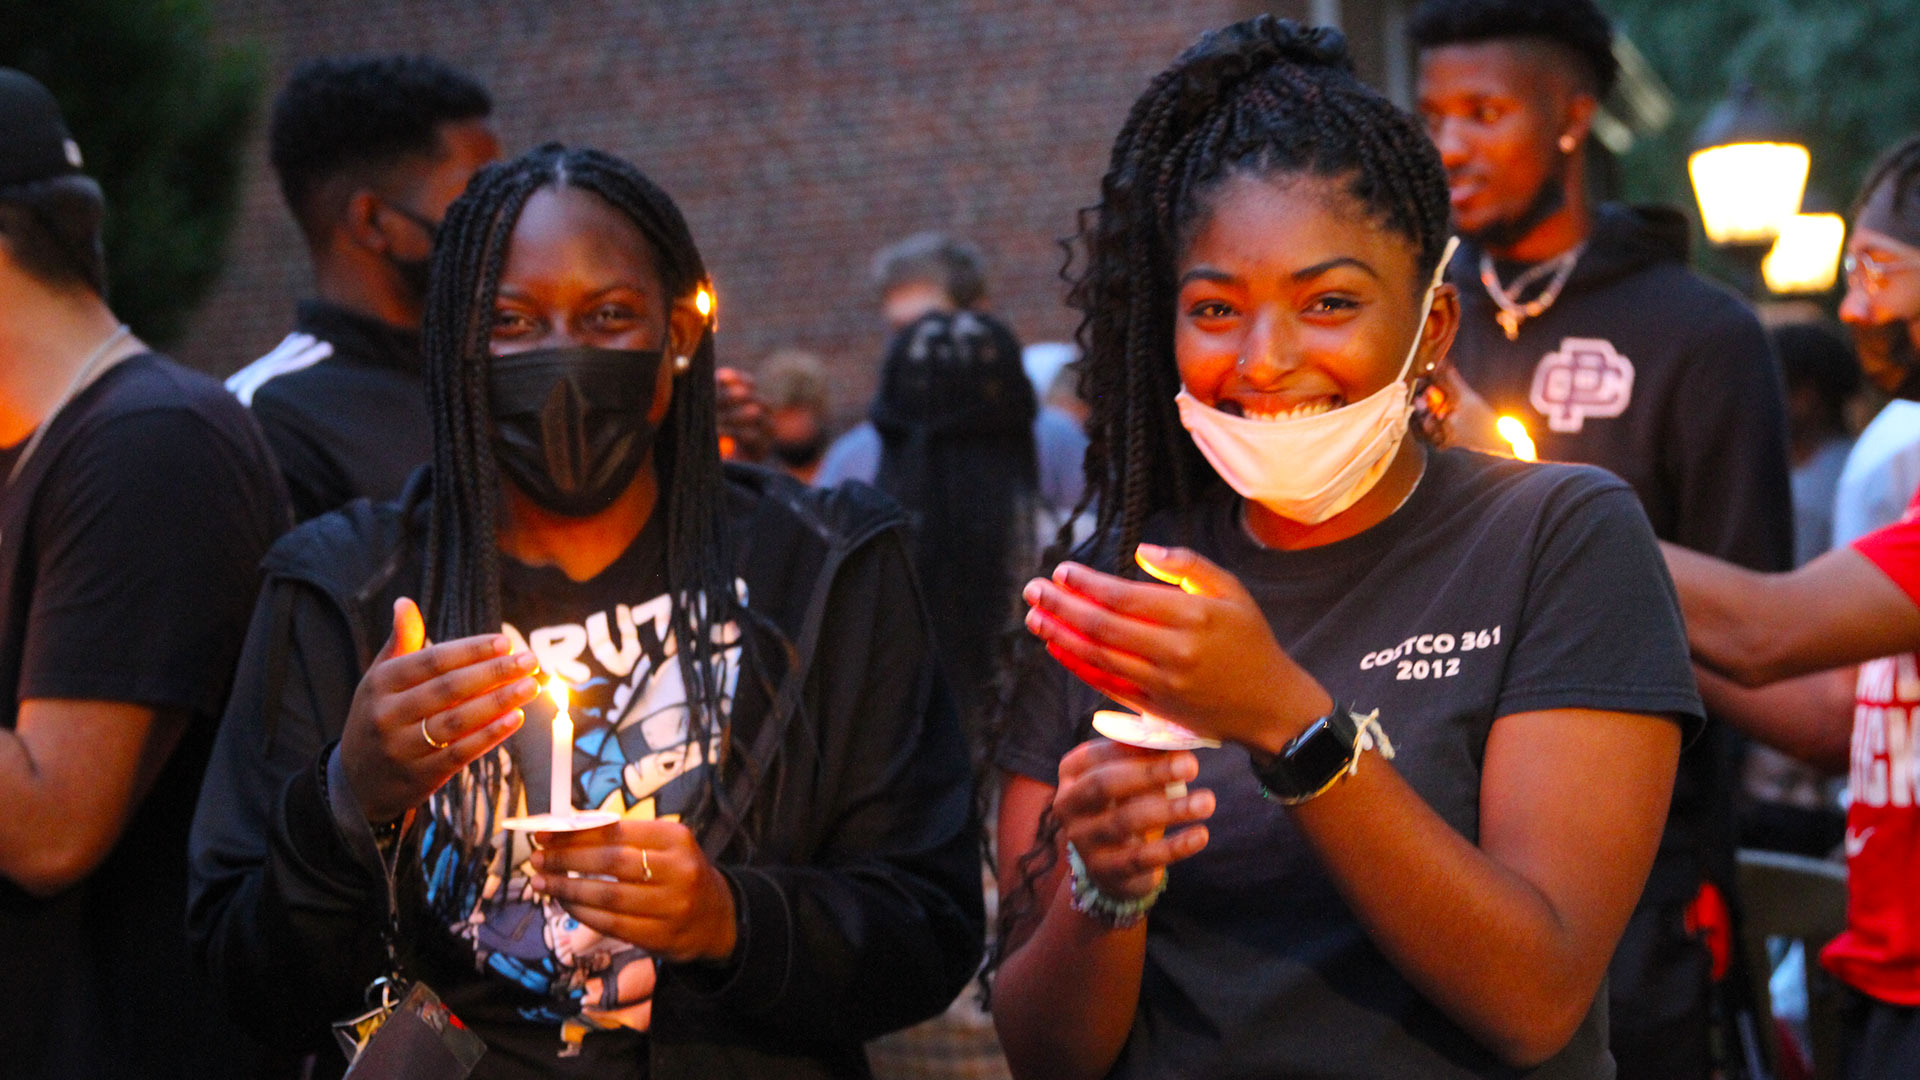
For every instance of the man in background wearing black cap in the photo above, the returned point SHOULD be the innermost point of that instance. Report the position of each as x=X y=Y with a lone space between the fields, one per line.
x=138 y=499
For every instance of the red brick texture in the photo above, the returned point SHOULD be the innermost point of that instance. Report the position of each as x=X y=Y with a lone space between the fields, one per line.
x=798 y=136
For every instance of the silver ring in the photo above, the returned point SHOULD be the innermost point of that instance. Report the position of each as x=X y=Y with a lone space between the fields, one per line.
x=646 y=871
x=429 y=737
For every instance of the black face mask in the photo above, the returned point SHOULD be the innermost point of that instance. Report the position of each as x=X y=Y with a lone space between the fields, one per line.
x=570 y=425
x=1888 y=358
x=415 y=272
x=801 y=454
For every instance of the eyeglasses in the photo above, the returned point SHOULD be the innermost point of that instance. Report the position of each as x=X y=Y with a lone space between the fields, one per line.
x=1872 y=271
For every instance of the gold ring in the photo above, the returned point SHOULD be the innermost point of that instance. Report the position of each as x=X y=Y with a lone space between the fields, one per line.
x=429 y=737
x=646 y=871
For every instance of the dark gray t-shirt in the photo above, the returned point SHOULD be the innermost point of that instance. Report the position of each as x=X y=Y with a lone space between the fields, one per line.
x=1499 y=588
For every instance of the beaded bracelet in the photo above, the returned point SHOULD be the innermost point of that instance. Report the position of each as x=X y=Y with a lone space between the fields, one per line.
x=1109 y=911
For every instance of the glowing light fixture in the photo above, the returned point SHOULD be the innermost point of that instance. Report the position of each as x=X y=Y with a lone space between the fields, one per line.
x=1806 y=256
x=1748 y=178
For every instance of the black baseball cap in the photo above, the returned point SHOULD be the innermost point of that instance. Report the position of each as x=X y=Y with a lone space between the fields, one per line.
x=34 y=142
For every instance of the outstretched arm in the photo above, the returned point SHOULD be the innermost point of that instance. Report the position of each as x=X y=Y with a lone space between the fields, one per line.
x=1757 y=628
x=1809 y=717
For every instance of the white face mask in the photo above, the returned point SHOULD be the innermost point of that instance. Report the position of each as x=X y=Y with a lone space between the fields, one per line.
x=1311 y=468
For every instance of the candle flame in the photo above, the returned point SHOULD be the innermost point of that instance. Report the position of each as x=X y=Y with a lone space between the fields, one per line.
x=703 y=299
x=1515 y=432
x=557 y=690
x=1186 y=584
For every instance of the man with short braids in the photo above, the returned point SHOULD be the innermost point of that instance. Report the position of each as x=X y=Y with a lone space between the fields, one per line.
x=1581 y=319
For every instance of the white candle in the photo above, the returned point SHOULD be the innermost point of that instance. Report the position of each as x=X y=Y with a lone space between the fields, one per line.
x=560 y=795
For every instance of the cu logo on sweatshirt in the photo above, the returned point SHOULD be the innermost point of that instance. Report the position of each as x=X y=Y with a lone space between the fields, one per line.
x=1585 y=377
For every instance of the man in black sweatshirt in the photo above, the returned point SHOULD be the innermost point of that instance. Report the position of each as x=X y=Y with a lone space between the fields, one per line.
x=1584 y=322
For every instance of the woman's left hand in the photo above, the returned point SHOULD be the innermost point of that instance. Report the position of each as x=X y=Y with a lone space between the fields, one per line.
x=666 y=897
x=1201 y=654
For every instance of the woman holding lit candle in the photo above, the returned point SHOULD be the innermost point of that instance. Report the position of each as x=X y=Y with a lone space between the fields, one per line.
x=1447 y=684
x=741 y=683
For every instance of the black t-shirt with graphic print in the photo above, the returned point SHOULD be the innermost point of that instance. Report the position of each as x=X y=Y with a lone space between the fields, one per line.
x=1499 y=588
x=610 y=641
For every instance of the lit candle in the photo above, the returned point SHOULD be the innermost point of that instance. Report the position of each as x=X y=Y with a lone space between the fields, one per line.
x=1515 y=432
x=560 y=795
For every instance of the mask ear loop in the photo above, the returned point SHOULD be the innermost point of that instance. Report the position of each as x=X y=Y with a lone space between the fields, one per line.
x=1426 y=309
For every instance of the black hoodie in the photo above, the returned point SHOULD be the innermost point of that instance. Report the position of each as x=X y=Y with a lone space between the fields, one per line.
x=856 y=875
x=1702 y=432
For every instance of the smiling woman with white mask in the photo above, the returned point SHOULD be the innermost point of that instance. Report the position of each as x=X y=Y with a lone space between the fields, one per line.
x=1436 y=697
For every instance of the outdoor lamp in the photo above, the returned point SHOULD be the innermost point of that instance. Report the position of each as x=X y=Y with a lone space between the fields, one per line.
x=1806 y=257
x=1747 y=177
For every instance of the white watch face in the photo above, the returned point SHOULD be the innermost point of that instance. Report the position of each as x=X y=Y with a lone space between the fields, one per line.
x=1148 y=732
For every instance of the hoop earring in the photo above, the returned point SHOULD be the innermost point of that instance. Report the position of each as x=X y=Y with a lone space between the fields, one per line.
x=681 y=364
x=1567 y=143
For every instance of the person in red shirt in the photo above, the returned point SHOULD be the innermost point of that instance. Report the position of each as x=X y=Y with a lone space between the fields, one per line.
x=1791 y=680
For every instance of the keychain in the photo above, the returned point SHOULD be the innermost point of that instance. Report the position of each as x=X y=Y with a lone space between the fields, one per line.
x=407 y=1032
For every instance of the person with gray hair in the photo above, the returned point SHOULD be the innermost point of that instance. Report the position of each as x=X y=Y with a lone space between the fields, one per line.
x=932 y=273
x=928 y=272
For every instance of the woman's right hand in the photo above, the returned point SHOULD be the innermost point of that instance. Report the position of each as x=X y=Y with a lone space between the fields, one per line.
x=1113 y=807
x=422 y=712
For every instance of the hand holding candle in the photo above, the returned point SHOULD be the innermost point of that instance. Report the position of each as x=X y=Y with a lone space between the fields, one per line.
x=1200 y=655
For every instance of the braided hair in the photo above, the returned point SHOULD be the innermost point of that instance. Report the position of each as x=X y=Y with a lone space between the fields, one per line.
x=461 y=588
x=1265 y=97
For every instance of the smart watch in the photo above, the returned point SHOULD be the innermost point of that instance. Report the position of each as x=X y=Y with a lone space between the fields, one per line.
x=1314 y=761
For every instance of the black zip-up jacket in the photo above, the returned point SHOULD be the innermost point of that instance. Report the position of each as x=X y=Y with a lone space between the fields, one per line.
x=856 y=877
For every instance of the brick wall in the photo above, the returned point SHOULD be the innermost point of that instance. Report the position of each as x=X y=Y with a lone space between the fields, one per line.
x=798 y=136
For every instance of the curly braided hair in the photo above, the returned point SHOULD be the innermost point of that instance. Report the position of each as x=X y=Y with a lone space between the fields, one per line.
x=1265 y=97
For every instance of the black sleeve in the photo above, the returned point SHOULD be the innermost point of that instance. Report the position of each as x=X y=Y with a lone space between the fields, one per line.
x=1726 y=423
x=315 y=480
x=1600 y=627
x=149 y=545
x=883 y=925
x=280 y=910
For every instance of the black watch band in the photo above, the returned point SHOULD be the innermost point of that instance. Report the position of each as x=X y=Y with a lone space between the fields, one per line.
x=1314 y=761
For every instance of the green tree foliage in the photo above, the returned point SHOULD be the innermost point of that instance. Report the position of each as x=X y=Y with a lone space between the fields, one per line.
x=161 y=116
x=1840 y=72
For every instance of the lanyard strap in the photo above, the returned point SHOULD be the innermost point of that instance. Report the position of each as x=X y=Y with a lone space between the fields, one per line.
x=90 y=369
